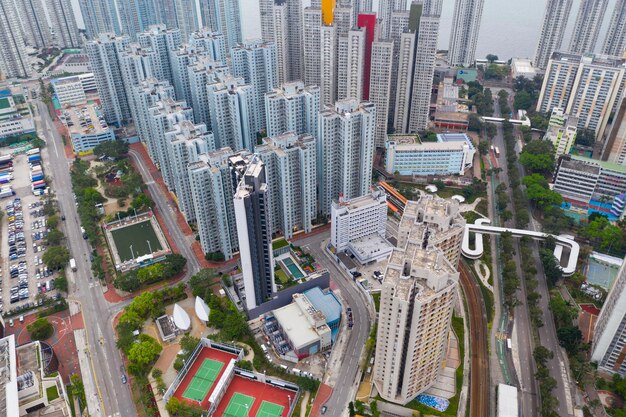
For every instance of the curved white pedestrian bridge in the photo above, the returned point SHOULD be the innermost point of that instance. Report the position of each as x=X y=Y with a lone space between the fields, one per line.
x=481 y=227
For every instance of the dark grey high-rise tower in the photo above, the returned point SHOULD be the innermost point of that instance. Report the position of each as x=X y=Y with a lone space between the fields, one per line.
x=255 y=234
x=552 y=30
x=587 y=26
x=615 y=41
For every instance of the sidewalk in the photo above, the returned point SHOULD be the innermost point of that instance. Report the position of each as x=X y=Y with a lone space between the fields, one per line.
x=84 y=359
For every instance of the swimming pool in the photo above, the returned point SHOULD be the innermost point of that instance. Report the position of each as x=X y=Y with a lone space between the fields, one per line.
x=293 y=268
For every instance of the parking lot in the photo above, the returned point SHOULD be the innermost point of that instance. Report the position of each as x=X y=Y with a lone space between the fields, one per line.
x=23 y=274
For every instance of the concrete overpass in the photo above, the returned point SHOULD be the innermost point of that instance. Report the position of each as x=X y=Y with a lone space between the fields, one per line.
x=481 y=226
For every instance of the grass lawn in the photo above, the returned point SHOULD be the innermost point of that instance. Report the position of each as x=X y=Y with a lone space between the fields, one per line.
x=279 y=244
x=52 y=392
x=282 y=277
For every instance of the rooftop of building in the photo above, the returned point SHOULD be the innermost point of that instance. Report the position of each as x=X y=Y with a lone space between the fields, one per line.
x=592 y=59
x=85 y=119
x=295 y=324
x=523 y=65
x=376 y=197
x=370 y=246
x=453 y=116
x=286 y=141
x=590 y=165
x=326 y=302
x=8 y=384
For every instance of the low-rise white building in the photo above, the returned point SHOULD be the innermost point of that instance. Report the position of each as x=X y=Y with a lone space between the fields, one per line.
x=15 y=116
x=453 y=153
x=359 y=225
x=74 y=90
x=523 y=67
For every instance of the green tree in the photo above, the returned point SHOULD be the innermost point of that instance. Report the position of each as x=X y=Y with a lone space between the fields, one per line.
x=542 y=355
x=585 y=137
x=128 y=281
x=142 y=202
x=113 y=148
x=60 y=283
x=53 y=221
x=483 y=147
x=491 y=130
x=56 y=257
x=522 y=101
x=143 y=354
x=570 y=338
x=40 y=329
x=538 y=156
x=55 y=237
x=491 y=58
x=474 y=123
x=201 y=283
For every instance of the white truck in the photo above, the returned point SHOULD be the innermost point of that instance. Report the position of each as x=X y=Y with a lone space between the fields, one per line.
x=73 y=264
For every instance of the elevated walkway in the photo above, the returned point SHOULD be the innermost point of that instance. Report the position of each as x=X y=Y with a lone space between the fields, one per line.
x=482 y=226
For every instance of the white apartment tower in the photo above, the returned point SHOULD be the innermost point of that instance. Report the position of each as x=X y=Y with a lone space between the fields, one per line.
x=254 y=233
x=311 y=45
x=293 y=108
x=416 y=65
x=231 y=104
x=161 y=41
x=587 y=26
x=615 y=41
x=562 y=131
x=328 y=64
x=588 y=87
x=213 y=183
x=350 y=64
x=417 y=298
x=223 y=16
x=34 y=26
x=163 y=116
x=99 y=16
x=615 y=146
x=609 y=337
x=465 y=28
x=358 y=218
x=345 y=152
x=209 y=43
x=552 y=30
x=201 y=73
x=282 y=23
x=103 y=54
x=186 y=142
x=13 y=62
x=144 y=96
x=255 y=62
x=291 y=168
x=64 y=23
x=380 y=87
x=385 y=10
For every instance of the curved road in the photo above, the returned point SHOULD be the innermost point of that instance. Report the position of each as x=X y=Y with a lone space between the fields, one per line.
x=479 y=357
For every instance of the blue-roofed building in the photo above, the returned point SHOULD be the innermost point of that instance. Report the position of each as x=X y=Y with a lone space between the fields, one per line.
x=327 y=303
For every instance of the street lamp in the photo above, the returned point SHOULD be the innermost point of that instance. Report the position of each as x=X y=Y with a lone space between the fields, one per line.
x=131 y=252
x=149 y=245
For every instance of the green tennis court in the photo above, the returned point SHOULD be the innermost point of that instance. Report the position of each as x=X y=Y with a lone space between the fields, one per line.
x=239 y=405
x=269 y=409
x=203 y=380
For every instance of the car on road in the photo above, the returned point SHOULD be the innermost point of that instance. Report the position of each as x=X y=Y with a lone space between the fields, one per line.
x=324 y=409
x=124 y=380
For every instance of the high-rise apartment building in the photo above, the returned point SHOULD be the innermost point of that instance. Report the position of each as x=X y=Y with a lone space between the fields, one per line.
x=416 y=66
x=166 y=12
x=587 y=87
x=209 y=43
x=137 y=16
x=99 y=16
x=351 y=65
x=163 y=116
x=615 y=41
x=144 y=96
x=103 y=52
x=380 y=87
x=203 y=72
x=187 y=16
x=13 y=61
x=399 y=24
x=311 y=45
x=385 y=10
x=368 y=22
x=34 y=26
x=417 y=298
x=465 y=28
x=186 y=142
x=552 y=30
x=561 y=132
x=162 y=42
x=615 y=147
x=213 y=180
x=231 y=104
x=291 y=169
x=63 y=22
x=587 y=26
x=281 y=23
x=609 y=337
x=345 y=152
x=223 y=16
x=328 y=64
x=254 y=233
x=136 y=64
x=255 y=62
x=293 y=108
